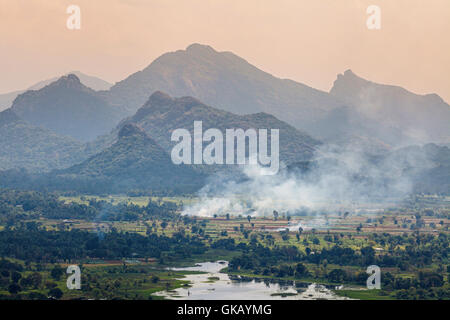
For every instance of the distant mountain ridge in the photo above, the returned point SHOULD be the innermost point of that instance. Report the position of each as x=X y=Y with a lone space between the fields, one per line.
x=6 y=99
x=67 y=107
x=397 y=115
x=374 y=117
x=355 y=111
x=225 y=81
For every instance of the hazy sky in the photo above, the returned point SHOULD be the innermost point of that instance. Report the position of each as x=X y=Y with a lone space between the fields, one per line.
x=309 y=41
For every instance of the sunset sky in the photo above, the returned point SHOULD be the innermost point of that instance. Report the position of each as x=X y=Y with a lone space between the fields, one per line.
x=309 y=41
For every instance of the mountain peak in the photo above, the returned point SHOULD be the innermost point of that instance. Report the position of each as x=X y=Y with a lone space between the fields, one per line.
x=349 y=75
x=348 y=81
x=68 y=81
x=200 y=48
x=159 y=97
x=159 y=102
x=75 y=76
x=71 y=78
x=349 y=72
x=131 y=129
x=189 y=101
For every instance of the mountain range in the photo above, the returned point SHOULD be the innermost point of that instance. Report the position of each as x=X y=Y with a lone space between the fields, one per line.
x=376 y=117
x=355 y=111
x=91 y=135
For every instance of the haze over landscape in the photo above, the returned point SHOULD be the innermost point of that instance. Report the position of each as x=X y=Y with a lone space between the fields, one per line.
x=357 y=117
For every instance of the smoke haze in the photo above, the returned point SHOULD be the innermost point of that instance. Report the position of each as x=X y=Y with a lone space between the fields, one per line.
x=336 y=180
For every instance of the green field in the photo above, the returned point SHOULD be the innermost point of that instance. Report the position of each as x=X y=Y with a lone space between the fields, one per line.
x=364 y=294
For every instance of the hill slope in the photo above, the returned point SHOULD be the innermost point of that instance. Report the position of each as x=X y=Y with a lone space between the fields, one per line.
x=134 y=161
x=391 y=113
x=23 y=145
x=429 y=166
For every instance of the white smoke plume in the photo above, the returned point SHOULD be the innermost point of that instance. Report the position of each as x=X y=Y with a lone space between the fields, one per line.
x=337 y=180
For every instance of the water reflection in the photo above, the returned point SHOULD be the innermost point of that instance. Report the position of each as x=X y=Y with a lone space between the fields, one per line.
x=214 y=285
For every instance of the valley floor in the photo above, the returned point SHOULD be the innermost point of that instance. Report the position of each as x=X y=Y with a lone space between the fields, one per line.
x=125 y=245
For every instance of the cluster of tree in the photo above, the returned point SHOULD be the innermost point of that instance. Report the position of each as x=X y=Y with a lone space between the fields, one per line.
x=107 y=211
x=414 y=293
x=17 y=205
x=20 y=179
x=33 y=244
x=17 y=278
x=425 y=251
x=424 y=280
x=298 y=271
x=426 y=285
x=258 y=257
x=228 y=244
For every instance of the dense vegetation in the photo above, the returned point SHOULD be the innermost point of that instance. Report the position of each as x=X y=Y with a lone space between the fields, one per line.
x=18 y=205
x=31 y=244
x=421 y=252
